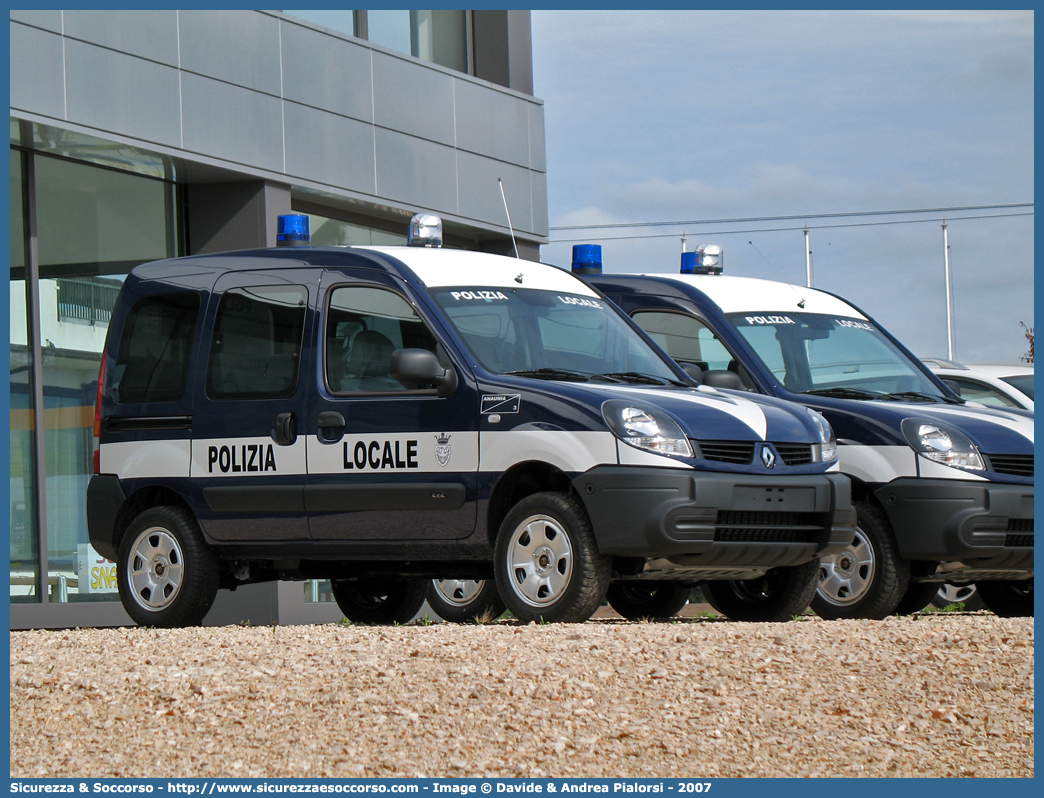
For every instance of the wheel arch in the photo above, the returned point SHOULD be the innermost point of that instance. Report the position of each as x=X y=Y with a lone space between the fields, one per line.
x=142 y=499
x=518 y=482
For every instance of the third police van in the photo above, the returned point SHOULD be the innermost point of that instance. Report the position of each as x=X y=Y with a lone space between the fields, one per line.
x=943 y=487
x=387 y=416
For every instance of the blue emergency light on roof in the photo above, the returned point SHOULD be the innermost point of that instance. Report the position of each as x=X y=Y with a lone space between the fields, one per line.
x=587 y=259
x=292 y=230
x=705 y=260
x=425 y=231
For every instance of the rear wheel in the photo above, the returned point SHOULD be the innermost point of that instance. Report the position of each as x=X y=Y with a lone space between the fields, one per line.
x=968 y=595
x=658 y=601
x=167 y=574
x=464 y=600
x=918 y=596
x=779 y=595
x=1008 y=599
x=380 y=601
x=547 y=564
x=869 y=578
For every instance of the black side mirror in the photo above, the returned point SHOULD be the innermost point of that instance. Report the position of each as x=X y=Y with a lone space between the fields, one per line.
x=420 y=365
x=693 y=371
x=952 y=386
x=722 y=378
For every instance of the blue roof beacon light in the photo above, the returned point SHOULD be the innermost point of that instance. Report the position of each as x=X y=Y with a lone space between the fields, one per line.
x=587 y=259
x=292 y=231
x=425 y=231
x=705 y=260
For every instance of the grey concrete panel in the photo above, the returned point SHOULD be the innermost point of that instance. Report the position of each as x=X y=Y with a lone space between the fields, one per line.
x=480 y=194
x=327 y=72
x=537 y=148
x=538 y=181
x=257 y=605
x=492 y=123
x=233 y=123
x=51 y=20
x=240 y=47
x=149 y=34
x=420 y=173
x=328 y=148
x=123 y=94
x=412 y=98
x=37 y=71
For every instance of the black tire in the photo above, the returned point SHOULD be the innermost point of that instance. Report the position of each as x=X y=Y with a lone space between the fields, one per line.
x=166 y=573
x=968 y=595
x=779 y=595
x=465 y=600
x=657 y=601
x=547 y=563
x=381 y=601
x=867 y=580
x=917 y=596
x=1008 y=599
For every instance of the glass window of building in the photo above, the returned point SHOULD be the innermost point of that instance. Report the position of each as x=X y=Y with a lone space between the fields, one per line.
x=326 y=232
x=93 y=224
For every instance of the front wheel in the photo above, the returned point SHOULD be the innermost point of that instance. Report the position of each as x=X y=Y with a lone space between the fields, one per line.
x=381 y=601
x=869 y=578
x=779 y=595
x=1008 y=599
x=547 y=564
x=917 y=596
x=658 y=601
x=465 y=600
x=166 y=573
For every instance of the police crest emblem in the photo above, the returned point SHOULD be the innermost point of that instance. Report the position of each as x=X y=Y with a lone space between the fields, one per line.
x=442 y=448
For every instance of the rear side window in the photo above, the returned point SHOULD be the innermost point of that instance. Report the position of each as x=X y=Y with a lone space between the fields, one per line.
x=152 y=364
x=256 y=349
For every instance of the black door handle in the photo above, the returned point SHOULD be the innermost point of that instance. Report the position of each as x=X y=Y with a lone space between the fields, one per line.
x=331 y=426
x=284 y=429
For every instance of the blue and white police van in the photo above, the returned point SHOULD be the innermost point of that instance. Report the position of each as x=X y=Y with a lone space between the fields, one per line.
x=388 y=416
x=943 y=487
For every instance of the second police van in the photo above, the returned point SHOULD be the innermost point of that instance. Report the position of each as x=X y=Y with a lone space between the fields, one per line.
x=386 y=417
x=943 y=487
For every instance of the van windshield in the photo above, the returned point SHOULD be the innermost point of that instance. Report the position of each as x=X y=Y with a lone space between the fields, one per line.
x=549 y=335
x=834 y=356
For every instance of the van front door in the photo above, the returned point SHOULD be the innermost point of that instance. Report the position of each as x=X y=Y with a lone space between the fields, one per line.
x=387 y=460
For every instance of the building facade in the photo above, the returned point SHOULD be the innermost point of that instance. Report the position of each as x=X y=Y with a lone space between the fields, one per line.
x=138 y=135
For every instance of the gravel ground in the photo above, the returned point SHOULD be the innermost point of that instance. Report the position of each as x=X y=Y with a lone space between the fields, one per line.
x=937 y=695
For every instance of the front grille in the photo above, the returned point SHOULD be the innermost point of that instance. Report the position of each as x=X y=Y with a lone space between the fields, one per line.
x=794 y=454
x=1020 y=541
x=1020 y=525
x=740 y=452
x=1019 y=465
x=762 y=526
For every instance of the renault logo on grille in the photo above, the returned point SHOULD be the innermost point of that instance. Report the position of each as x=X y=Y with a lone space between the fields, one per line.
x=768 y=457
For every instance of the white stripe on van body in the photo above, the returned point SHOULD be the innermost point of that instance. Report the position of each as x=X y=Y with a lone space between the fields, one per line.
x=398 y=452
x=1020 y=424
x=570 y=451
x=877 y=464
x=246 y=457
x=750 y=294
x=706 y=396
x=146 y=459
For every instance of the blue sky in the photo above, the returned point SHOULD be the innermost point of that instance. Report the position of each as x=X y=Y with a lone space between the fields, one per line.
x=691 y=115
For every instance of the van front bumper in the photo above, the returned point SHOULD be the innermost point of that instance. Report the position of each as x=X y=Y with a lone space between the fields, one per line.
x=985 y=525
x=717 y=520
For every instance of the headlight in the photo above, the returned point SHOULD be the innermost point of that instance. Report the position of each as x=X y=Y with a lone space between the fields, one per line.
x=646 y=428
x=827 y=442
x=943 y=444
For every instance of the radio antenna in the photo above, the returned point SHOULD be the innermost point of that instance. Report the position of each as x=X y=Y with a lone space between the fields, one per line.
x=511 y=229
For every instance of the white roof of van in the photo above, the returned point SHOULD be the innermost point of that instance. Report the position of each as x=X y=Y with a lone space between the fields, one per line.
x=439 y=267
x=742 y=294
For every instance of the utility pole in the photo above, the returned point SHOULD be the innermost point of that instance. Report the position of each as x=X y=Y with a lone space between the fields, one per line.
x=808 y=262
x=949 y=293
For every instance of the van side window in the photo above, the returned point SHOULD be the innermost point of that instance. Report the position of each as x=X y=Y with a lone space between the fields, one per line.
x=153 y=360
x=685 y=339
x=256 y=349
x=364 y=325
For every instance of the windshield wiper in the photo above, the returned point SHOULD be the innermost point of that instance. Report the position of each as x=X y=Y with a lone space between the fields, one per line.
x=637 y=378
x=843 y=393
x=913 y=396
x=550 y=374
